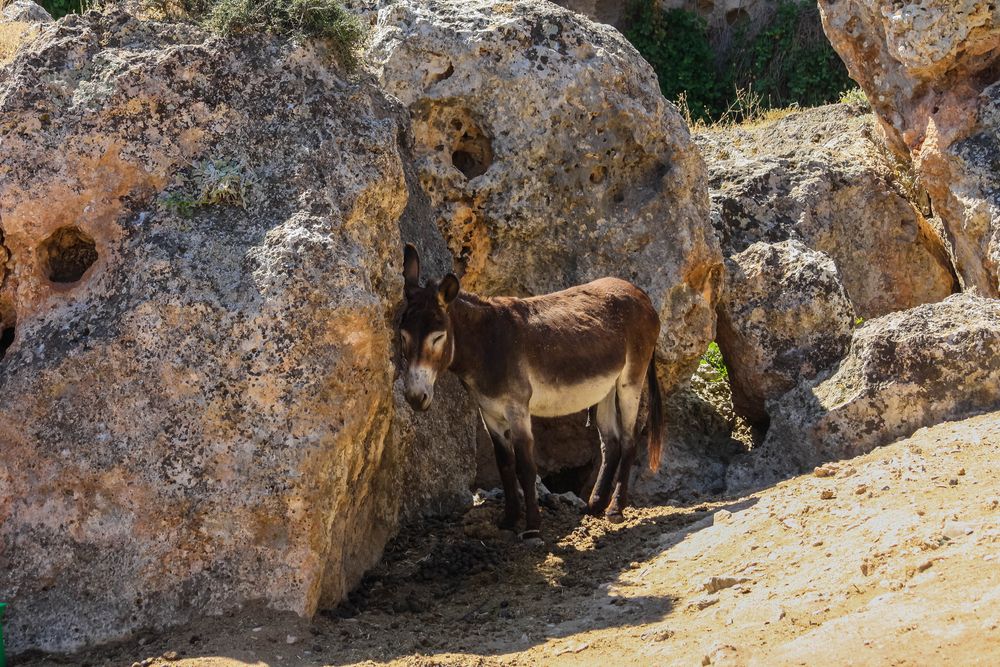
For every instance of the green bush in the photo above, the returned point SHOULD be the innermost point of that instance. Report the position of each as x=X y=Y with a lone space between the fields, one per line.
x=675 y=42
x=60 y=8
x=788 y=62
x=791 y=60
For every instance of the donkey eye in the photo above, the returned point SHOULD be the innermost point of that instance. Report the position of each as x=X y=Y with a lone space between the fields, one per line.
x=437 y=339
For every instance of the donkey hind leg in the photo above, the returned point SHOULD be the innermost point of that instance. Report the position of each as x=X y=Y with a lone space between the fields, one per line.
x=629 y=391
x=504 y=452
x=608 y=427
x=524 y=452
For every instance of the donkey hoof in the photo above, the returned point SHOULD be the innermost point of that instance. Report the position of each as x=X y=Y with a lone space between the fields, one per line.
x=614 y=516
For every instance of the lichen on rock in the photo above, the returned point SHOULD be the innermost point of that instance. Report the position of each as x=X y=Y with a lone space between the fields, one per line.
x=783 y=318
x=929 y=68
x=915 y=368
x=551 y=159
x=197 y=403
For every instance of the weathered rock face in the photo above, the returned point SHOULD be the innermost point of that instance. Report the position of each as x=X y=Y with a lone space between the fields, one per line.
x=783 y=318
x=929 y=67
x=25 y=11
x=907 y=370
x=203 y=257
x=819 y=177
x=544 y=145
x=20 y=22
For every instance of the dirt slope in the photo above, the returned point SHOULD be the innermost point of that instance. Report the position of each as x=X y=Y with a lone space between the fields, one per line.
x=900 y=566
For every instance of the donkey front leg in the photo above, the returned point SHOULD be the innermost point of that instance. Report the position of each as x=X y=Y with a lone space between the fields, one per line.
x=524 y=451
x=504 y=453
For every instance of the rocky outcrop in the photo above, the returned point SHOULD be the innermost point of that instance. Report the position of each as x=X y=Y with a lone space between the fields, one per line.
x=20 y=22
x=551 y=159
x=930 y=69
x=820 y=177
x=783 y=318
x=196 y=404
x=25 y=11
x=907 y=370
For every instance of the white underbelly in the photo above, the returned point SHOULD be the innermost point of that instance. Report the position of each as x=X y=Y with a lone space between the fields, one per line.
x=554 y=400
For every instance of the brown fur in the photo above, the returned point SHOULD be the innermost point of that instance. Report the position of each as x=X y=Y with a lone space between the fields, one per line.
x=508 y=350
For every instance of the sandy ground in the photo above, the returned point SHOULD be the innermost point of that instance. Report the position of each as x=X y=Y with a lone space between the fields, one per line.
x=889 y=559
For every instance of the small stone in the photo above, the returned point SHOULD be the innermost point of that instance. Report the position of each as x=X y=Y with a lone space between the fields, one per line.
x=827 y=494
x=861 y=489
x=657 y=635
x=953 y=481
x=716 y=584
x=291 y=639
x=961 y=472
x=705 y=602
x=824 y=471
x=925 y=566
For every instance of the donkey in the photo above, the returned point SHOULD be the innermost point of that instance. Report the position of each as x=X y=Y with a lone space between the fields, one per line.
x=548 y=356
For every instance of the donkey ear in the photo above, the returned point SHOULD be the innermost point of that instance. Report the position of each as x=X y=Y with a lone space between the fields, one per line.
x=411 y=266
x=448 y=290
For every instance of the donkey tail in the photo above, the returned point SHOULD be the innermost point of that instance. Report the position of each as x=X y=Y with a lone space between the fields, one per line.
x=654 y=422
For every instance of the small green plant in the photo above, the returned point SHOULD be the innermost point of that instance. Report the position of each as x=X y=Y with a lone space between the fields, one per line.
x=855 y=97
x=323 y=20
x=713 y=357
x=858 y=321
x=211 y=182
x=223 y=182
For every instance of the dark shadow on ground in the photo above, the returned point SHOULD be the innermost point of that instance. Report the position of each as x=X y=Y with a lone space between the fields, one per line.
x=449 y=585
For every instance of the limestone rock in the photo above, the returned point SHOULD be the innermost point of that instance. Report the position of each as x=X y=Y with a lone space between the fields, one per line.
x=26 y=11
x=906 y=370
x=551 y=159
x=196 y=403
x=783 y=318
x=929 y=68
x=819 y=176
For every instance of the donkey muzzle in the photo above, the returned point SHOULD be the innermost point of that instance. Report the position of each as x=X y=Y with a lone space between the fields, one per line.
x=419 y=388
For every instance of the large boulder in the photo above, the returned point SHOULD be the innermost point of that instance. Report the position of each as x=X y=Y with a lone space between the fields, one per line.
x=821 y=177
x=783 y=318
x=20 y=22
x=202 y=243
x=907 y=370
x=929 y=68
x=551 y=159
x=25 y=11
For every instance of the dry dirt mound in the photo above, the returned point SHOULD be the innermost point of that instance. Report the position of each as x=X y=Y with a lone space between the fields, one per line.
x=890 y=558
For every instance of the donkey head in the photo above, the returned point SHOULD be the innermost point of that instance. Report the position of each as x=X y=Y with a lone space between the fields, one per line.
x=425 y=329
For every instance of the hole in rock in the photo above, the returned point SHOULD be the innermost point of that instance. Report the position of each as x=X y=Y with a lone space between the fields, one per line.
x=6 y=339
x=473 y=158
x=67 y=254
